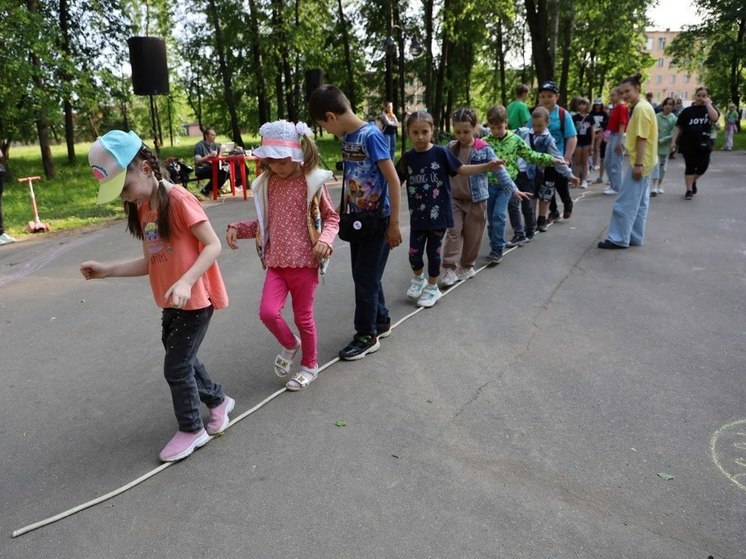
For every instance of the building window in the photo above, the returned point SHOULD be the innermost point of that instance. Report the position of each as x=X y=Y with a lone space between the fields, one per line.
x=661 y=43
x=660 y=63
x=687 y=78
x=673 y=78
x=650 y=43
x=658 y=79
x=686 y=95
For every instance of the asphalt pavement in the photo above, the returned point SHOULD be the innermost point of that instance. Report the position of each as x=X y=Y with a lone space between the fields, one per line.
x=570 y=402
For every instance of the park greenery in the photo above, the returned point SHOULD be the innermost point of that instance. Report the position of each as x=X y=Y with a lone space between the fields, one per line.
x=234 y=65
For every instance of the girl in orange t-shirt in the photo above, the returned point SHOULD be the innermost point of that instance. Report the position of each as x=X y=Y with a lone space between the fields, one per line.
x=179 y=252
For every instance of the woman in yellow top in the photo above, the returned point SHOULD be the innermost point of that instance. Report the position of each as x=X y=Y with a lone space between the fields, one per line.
x=630 y=213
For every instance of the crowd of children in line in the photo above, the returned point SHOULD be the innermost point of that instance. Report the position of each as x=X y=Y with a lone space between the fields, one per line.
x=454 y=192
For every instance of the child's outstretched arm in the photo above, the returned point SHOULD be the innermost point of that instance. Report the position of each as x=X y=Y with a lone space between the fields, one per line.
x=240 y=230
x=393 y=233
x=91 y=269
x=180 y=292
x=477 y=168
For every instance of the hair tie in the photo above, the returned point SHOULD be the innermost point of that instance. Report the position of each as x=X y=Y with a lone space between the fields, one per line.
x=302 y=129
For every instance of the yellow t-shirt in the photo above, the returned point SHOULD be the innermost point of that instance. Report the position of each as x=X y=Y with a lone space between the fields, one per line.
x=643 y=124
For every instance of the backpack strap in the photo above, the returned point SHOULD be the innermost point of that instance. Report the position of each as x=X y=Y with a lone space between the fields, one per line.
x=531 y=141
x=562 y=120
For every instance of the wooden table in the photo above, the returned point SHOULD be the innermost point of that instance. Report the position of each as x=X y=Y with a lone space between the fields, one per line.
x=232 y=160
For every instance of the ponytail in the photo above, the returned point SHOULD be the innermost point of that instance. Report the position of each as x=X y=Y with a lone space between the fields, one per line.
x=163 y=224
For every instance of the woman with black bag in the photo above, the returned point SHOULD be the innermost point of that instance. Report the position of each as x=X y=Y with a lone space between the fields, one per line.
x=693 y=135
x=389 y=125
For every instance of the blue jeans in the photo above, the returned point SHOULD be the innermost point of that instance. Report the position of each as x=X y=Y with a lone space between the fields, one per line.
x=630 y=213
x=368 y=263
x=613 y=162
x=497 y=210
x=182 y=333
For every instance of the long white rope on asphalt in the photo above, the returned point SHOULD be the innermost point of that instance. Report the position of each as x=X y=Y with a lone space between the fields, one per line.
x=165 y=465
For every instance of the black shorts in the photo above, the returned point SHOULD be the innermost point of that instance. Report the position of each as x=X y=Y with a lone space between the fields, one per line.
x=602 y=148
x=696 y=162
x=546 y=187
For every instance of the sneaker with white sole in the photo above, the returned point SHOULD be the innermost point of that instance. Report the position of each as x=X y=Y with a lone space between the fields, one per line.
x=6 y=239
x=383 y=329
x=219 y=419
x=584 y=185
x=416 y=286
x=430 y=295
x=182 y=444
x=466 y=273
x=517 y=240
x=610 y=192
x=448 y=277
x=360 y=346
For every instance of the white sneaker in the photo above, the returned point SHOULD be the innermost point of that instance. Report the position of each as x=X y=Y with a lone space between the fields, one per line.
x=584 y=184
x=6 y=239
x=610 y=192
x=416 y=287
x=466 y=273
x=448 y=277
x=430 y=295
x=660 y=191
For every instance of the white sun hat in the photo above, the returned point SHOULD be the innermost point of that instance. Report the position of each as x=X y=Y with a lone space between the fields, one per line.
x=281 y=139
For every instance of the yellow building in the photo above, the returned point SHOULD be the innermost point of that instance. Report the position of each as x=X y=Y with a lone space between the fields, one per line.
x=665 y=80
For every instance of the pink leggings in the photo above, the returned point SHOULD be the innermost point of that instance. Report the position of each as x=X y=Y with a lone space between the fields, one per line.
x=301 y=284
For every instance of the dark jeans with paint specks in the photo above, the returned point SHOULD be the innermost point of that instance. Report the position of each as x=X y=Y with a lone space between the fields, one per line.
x=182 y=333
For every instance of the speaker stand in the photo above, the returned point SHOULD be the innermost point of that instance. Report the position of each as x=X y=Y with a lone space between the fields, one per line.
x=154 y=127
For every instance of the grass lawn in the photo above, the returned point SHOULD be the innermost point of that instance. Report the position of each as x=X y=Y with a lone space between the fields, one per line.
x=69 y=200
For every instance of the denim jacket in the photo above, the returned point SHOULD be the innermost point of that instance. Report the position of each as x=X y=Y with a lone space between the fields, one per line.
x=481 y=152
x=543 y=143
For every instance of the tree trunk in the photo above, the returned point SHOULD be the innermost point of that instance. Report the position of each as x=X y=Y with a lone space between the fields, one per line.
x=256 y=51
x=279 y=46
x=537 y=16
x=350 y=86
x=734 y=68
x=501 y=62
x=428 y=97
x=297 y=73
x=225 y=73
x=402 y=71
x=389 y=57
x=67 y=106
x=568 y=19
x=42 y=124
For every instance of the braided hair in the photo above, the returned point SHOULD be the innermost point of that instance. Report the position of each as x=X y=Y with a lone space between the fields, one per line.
x=134 y=227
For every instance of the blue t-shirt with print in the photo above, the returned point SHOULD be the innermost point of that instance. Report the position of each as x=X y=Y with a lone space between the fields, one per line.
x=366 y=186
x=555 y=128
x=429 y=186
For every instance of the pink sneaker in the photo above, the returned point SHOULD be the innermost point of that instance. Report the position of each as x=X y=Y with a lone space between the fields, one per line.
x=219 y=416
x=183 y=444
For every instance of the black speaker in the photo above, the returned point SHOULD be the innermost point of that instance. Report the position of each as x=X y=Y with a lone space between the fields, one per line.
x=149 y=65
x=314 y=80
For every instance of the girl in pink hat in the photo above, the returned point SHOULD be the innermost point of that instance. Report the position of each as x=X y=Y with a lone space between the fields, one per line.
x=294 y=231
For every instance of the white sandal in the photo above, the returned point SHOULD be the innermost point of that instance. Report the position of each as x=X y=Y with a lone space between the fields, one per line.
x=283 y=365
x=302 y=379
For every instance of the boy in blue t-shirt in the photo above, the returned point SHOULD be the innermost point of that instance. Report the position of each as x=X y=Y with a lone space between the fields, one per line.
x=371 y=185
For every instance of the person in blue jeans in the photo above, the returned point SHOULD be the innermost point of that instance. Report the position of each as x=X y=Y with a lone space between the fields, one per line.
x=630 y=213
x=371 y=186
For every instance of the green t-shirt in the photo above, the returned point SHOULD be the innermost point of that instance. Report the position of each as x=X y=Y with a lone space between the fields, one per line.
x=518 y=115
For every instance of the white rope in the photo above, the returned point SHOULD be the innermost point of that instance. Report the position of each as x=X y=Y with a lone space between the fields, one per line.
x=235 y=420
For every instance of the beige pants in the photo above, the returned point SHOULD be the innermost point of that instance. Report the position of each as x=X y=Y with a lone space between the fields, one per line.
x=469 y=220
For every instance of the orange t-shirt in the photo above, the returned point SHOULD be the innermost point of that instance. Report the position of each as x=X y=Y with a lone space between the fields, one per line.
x=169 y=260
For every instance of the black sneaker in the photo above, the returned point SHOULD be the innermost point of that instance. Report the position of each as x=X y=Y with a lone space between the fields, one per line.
x=383 y=330
x=553 y=216
x=360 y=346
x=529 y=236
x=541 y=224
x=689 y=195
x=517 y=240
x=694 y=187
x=494 y=258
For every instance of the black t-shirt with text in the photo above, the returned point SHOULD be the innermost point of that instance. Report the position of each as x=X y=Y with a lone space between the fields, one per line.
x=696 y=127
